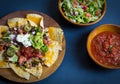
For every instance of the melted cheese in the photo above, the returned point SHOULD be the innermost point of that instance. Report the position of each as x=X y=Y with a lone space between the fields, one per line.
x=14 y=22
x=37 y=19
x=56 y=34
x=3 y=29
x=52 y=54
x=4 y=64
x=20 y=72
x=35 y=71
x=32 y=23
x=51 y=31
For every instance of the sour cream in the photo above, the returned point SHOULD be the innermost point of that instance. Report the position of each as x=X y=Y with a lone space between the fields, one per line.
x=12 y=36
x=24 y=39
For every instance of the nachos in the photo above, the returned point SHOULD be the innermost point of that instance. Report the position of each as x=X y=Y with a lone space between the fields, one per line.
x=26 y=45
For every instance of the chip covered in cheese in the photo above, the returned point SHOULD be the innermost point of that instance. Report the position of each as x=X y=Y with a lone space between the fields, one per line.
x=55 y=34
x=3 y=29
x=16 y=22
x=35 y=71
x=29 y=35
x=52 y=54
x=37 y=19
x=32 y=23
x=3 y=64
x=20 y=72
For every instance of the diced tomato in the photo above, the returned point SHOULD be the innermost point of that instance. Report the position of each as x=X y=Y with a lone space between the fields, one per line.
x=1 y=47
x=106 y=46
x=15 y=32
x=84 y=7
x=97 y=13
x=74 y=4
x=18 y=53
x=20 y=31
x=47 y=42
x=22 y=59
x=29 y=52
x=88 y=15
x=39 y=56
x=44 y=41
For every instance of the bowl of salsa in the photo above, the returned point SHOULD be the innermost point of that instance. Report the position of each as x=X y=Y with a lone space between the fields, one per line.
x=82 y=12
x=103 y=45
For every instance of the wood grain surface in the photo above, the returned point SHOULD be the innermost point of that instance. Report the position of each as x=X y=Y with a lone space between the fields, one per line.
x=48 y=21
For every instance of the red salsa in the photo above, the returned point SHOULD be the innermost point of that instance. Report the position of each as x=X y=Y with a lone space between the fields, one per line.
x=106 y=48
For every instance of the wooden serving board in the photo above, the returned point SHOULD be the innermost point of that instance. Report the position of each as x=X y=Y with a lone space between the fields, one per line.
x=48 y=21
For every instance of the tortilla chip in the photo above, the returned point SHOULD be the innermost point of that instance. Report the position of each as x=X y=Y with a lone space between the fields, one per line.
x=20 y=72
x=3 y=64
x=16 y=22
x=3 y=29
x=32 y=23
x=35 y=71
x=56 y=34
x=37 y=19
x=52 y=54
x=1 y=55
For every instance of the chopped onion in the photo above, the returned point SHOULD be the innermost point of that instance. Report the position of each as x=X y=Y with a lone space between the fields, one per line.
x=12 y=36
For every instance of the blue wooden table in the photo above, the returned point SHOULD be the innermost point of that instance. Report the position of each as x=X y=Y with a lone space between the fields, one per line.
x=77 y=67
